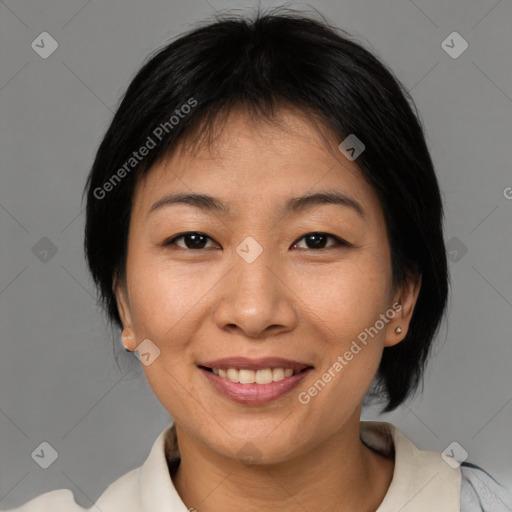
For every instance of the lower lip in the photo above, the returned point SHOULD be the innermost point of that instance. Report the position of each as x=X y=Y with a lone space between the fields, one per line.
x=255 y=394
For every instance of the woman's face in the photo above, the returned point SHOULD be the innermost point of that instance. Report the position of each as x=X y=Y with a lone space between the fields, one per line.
x=302 y=281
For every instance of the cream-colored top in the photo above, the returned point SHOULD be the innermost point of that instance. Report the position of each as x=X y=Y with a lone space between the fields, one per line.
x=422 y=480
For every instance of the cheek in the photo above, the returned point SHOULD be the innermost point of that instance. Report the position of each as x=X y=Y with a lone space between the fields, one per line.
x=166 y=302
x=345 y=307
x=163 y=296
x=348 y=297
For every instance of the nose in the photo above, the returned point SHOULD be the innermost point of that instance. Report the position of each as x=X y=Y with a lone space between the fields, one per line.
x=256 y=299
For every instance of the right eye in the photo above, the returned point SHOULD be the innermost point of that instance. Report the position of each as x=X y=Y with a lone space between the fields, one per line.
x=193 y=240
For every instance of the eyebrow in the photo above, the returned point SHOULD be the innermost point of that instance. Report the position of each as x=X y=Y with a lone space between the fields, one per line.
x=292 y=205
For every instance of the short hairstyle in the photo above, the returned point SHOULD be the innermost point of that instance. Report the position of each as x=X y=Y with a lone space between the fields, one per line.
x=273 y=59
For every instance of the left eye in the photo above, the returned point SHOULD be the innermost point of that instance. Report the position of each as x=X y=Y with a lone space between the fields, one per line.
x=319 y=240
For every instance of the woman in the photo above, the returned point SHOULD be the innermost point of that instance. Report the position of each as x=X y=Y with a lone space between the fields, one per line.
x=264 y=224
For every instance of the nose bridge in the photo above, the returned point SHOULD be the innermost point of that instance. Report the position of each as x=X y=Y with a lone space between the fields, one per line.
x=254 y=274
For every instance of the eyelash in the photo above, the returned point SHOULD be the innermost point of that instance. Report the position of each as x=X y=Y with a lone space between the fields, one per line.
x=339 y=241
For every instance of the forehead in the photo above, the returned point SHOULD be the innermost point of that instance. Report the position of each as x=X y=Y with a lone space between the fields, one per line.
x=259 y=161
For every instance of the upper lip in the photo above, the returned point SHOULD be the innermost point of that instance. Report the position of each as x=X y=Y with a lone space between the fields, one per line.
x=255 y=364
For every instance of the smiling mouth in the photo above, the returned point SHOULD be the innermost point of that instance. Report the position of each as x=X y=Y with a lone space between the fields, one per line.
x=261 y=376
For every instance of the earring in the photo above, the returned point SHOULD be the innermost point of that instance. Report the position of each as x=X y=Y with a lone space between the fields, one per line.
x=122 y=342
x=398 y=330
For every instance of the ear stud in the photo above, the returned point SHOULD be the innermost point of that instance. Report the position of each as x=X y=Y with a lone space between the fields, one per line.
x=398 y=330
x=125 y=347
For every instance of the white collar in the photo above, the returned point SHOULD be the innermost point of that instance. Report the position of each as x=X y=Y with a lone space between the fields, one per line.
x=422 y=480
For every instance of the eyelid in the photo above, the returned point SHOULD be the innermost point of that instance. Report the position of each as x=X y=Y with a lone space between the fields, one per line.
x=340 y=242
x=172 y=240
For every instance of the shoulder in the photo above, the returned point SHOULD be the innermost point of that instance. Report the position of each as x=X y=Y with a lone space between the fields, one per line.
x=61 y=499
x=423 y=478
x=147 y=487
x=120 y=495
x=480 y=492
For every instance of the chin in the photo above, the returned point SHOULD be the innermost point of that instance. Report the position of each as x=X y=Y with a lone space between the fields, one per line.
x=256 y=447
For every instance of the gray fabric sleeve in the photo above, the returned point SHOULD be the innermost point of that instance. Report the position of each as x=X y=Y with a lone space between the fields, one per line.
x=480 y=492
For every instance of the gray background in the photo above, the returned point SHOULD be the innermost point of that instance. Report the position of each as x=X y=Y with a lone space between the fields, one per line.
x=58 y=378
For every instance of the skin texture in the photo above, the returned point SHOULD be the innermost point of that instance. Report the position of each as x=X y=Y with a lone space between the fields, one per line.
x=294 y=301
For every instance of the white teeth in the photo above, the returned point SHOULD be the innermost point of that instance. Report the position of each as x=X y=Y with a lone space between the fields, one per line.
x=246 y=376
x=277 y=374
x=263 y=376
x=232 y=375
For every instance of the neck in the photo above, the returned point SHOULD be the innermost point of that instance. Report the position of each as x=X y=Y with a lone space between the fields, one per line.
x=339 y=474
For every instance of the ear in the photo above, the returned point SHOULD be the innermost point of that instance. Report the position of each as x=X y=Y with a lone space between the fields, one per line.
x=123 y=306
x=404 y=301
